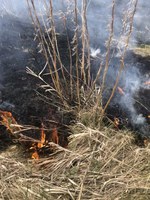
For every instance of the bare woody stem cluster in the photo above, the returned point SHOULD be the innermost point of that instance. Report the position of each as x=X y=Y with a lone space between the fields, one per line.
x=80 y=87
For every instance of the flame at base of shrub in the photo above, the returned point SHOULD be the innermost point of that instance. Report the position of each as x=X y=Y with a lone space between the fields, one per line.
x=11 y=125
x=35 y=155
x=7 y=120
x=44 y=143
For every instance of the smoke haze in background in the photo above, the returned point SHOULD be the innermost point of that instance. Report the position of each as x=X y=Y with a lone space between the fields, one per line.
x=98 y=20
x=98 y=16
x=98 y=13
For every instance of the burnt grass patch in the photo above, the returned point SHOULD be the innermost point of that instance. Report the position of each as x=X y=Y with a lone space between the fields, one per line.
x=20 y=93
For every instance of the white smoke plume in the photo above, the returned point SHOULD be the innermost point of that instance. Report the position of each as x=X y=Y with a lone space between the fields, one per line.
x=98 y=19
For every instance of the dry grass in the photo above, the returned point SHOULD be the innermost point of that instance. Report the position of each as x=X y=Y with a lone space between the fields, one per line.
x=143 y=50
x=69 y=82
x=97 y=165
x=102 y=164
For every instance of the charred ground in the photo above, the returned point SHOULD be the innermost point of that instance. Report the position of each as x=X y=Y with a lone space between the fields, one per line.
x=19 y=92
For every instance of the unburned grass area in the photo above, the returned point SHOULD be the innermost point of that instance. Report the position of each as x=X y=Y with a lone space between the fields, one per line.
x=104 y=164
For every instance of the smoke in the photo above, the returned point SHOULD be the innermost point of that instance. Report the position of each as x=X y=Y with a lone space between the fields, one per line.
x=98 y=14
x=98 y=22
x=132 y=79
x=14 y=7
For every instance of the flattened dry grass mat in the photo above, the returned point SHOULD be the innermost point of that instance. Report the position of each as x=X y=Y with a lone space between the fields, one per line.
x=96 y=165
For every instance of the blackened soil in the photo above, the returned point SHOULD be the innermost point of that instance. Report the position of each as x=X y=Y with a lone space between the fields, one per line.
x=141 y=97
x=18 y=90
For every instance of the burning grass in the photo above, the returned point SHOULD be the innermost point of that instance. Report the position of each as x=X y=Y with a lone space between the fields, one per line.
x=102 y=164
x=37 y=141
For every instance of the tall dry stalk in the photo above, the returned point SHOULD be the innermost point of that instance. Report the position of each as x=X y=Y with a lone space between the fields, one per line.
x=107 y=58
x=49 y=48
x=76 y=49
x=70 y=58
x=128 y=35
x=80 y=87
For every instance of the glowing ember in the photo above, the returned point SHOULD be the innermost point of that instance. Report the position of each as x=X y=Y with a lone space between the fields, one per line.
x=120 y=90
x=116 y=122
x=54 y=136
x=147 y=83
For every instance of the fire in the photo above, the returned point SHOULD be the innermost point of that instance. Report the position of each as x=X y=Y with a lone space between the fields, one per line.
x=120 y=90
x=43 y=136
x=35 y=155
x=39 y=145
x=43 y=142
x=8 y=120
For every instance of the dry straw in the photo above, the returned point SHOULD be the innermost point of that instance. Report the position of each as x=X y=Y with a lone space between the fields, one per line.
x=96 y=165
x=74 y=87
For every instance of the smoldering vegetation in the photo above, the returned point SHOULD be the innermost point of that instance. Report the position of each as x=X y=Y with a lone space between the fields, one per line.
x=19 y=50
x=103 y=156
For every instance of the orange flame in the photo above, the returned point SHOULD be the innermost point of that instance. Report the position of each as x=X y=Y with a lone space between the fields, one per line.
x=39 y=145
x=35 y=155
x=120 y=90
x=54 y=138
x=43 y=136
x=7 y=120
